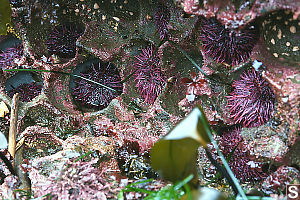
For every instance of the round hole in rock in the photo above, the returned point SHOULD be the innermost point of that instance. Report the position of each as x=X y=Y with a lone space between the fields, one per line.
x=62 y=39
x=27 y=84
x=8 y=42
x=10 y=49
x=99 y=84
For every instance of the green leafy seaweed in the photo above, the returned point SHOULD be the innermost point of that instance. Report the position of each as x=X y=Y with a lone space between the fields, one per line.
x=175 y=155
x=169 y=192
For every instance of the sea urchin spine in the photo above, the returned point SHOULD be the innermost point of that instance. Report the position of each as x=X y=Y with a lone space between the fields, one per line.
x=148 y=76
x=92 y=95
x=252 y=100
x=161 y=18
x=62 y=40
x=224 y=45
x=27 y=91
x=8 y=56
x=232 y=144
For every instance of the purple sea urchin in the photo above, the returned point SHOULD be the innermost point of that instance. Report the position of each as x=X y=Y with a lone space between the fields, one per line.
x=62 y=40
x=92 y=95
x=148 y=76
x=27 y=91
x=8 y=56
x=252 y=100
x=224 y=45
x=232 y=144
x=161 y=18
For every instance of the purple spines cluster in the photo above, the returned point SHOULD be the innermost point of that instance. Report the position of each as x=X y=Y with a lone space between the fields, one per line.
x=232 y=145
x=224 y=45
x=161 y=19
x=27 y=91
x=148 y=75
x=8 y=56
x=252 y=100
x=62 y=40
x=92 y=95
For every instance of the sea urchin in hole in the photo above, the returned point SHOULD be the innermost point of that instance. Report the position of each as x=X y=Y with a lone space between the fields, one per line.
x=148 y=75
x=161 y=19
x=92 y=95
x=27 y=91
x=224 y=45
x=62 y=40
x=252 y=100
x=8 y=56
x=245 y=169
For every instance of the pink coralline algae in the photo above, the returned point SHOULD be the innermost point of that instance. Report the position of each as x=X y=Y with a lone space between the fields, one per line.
x=232 y=144
x=27 y=91
x=252 y=100
x=149 y=78
x=277 y=181
x=103 y=126
x=122 y=113
x=7 y=189
x=77 y=180
x=62 y=40
x=224 y=45
x=92 y=95
x=8 y=56
x=135 y=132
x=161 y=18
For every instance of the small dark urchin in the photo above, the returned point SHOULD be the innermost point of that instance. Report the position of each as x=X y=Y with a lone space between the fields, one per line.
x=27 y=91
x=224 y=45
x=232 y=144
x=62 y=40
x=161 y=19
x=8 y=56
x=92 y=95
x=252 y=100
x=148 y=75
